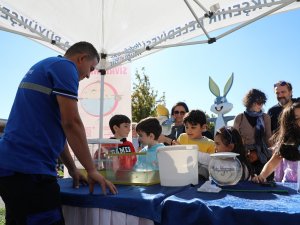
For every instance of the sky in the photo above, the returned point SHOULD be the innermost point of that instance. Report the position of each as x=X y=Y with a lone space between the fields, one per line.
x=259 y=55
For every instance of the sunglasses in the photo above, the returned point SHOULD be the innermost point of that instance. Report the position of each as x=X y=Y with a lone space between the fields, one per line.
x=179 y=112
x=281 y=83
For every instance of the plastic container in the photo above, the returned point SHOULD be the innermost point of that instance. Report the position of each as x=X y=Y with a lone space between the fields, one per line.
x=178 y=165
x=98 y=156
x=119 y=168
x=118 y=174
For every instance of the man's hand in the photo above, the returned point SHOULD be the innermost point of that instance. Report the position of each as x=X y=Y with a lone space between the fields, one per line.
x=95 y=177
x=78 y=178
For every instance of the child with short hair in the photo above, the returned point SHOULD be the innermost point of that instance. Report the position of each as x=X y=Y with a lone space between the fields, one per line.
x=195 y=123
x=120 y=126
x=149 y=130
x=228 y=139
x=286 y=147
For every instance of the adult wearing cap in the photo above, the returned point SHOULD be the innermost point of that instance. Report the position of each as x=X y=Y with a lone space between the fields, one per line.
x=284 y=94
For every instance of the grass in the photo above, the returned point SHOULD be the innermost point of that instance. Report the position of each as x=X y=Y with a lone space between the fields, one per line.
x=2 y=216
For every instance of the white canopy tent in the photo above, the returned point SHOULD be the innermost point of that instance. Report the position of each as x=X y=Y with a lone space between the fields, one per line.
x=123 y=30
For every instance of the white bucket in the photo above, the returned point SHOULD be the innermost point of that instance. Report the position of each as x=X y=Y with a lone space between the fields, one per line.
x=178 y=165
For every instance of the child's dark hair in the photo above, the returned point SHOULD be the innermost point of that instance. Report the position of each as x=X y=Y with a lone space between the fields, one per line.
x=230 y=135
x=195 y=117
x=117 y=120
x=149 y=125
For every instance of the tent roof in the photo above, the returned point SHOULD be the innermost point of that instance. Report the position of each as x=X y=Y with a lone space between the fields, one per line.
x=123 y=29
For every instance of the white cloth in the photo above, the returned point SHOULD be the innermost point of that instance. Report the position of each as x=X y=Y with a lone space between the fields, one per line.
x=96 y=216
x=209 y=187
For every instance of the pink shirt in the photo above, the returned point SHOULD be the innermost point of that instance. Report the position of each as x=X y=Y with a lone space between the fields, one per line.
x=287 y=171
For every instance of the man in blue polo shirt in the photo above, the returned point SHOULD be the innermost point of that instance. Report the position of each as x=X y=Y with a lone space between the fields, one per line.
x=43 y=118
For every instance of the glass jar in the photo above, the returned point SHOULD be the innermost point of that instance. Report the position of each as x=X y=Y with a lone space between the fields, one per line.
x=225 y=169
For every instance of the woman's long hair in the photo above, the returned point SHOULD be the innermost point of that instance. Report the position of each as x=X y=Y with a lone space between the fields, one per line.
x=289 y=131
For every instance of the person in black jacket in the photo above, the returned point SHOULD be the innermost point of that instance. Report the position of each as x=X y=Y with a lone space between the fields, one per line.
x=284 y=94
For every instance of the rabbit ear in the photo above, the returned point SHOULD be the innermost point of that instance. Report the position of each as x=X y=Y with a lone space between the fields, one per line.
x=228 y=85
x=213 y=87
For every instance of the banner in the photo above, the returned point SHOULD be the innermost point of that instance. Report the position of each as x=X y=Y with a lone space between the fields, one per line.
x=117 y=99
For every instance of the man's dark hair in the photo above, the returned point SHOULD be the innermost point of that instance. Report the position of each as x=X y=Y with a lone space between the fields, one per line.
x=149 y=125
x=83 y=47
x=117 y=120
x=179 y=104
x=195 y=117
x=254 y=96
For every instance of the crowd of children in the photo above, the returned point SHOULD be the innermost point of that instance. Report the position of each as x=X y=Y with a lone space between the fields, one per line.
x=147 y=133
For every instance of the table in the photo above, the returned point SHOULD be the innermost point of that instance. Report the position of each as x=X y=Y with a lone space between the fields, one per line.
x=183 y=205
x=246 y=203
x=142 y=202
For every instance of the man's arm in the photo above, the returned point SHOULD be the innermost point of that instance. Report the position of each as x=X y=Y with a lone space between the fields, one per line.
x=76 y=137
x=68 y=161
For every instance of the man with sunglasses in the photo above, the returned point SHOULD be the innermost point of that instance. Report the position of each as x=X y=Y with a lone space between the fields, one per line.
x=284 y=94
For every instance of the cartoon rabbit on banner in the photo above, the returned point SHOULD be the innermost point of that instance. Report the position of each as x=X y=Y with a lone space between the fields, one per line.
x=221 y=106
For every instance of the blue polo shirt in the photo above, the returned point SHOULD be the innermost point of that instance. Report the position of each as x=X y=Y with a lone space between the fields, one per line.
x=33 y=137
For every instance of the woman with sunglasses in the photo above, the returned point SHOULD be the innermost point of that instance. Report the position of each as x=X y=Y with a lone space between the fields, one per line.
x=178 y=112
x=254 y=127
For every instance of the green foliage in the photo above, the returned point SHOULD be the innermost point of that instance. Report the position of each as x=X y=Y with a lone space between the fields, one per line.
x=210 y=125
x=2 y=216
x=143 y=98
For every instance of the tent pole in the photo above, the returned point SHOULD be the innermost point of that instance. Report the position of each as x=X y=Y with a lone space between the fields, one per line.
x=135 y=53
x=102 y=76
x=38 y=37
x=256 y=18
x=211 y=40
x=21 y=33
x=140 y=51
x=197 y=19
x=181 y=44
x=202 y=7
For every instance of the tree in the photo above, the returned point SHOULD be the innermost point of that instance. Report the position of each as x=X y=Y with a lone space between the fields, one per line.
x=143 y=98
x=210 y=125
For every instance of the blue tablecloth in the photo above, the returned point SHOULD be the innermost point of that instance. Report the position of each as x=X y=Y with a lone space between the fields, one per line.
x=140 y=201
x=244 y=204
